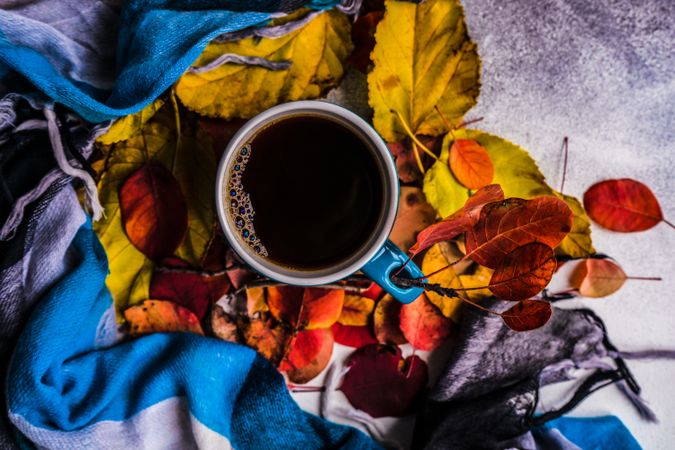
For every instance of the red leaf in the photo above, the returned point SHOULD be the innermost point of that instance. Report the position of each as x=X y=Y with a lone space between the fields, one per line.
x=374 y=291
x=387 y=321
x=159 y=316
x=308 y=308
x=153 y=211
x=317 y=364
x=597 y=277
x=524 y=272
x=622 y=205
x=460 y=221
x=353 y=336
x=527 y=315
x=471 y=164
x=363 y=37
x=508 y=224
x=304 y=348
x=423 y=325
x=190 y=289
x=381 y=383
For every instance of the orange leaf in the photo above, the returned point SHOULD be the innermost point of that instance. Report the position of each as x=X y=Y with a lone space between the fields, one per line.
x=255 y=301
x=304 y=348
x=154 y=212
x=508 y=224
x=320 y=307
x=161 y=316
x=387 y=321
x=459 y=222
x=527 y=315
x=356 y=310
x=524 y=272
x=423 y=325
x=471 y=164
x=622 y=205
x=597 y=277
x=285 y=302
x=317 y=364
x=414 y=215
x=268 y=338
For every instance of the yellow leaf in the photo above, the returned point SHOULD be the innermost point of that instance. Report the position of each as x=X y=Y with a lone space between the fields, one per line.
x=423 y=57
x=436 y=258
x=479 y=277
x=128 y=126
x=518 y=175
x=192 y=162
x=316 y=53
x=356 y=310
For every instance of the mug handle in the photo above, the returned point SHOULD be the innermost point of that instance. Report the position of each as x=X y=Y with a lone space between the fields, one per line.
x=385 y=261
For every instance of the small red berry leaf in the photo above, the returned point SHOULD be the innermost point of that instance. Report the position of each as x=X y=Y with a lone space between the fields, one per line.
x=527 y=315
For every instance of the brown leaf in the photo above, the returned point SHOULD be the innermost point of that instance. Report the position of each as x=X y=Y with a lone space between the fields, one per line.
x=524 y=272
x=363 y=37
x=160 y=316
x=223 y=325
x=387 y=321
x=471 y=164
x=423 y=325
x=597 y=277
x=268 y=338
x=154 y=212
x=407 y=165
x=414 y=215
x=508 y=224
x=527 y=315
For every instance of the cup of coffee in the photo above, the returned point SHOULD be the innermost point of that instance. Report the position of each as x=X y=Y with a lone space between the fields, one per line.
x=307 y=194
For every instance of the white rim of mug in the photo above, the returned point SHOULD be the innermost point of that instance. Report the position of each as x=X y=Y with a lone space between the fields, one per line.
x=367 y=251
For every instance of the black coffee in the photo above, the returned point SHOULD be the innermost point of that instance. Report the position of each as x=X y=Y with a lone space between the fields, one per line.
x=305 y=192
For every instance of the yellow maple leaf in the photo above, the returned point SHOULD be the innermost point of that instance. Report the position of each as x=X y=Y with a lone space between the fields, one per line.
x=518 y=175
x=128 y=126
x=423 y=57
x=192 y=162
x=316 y=53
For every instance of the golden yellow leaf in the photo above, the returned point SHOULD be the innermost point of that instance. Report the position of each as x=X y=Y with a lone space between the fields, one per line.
x=192 y=162
x=161 y=316
x=436 y=258
x=316 y=53
x=423 y=57
x=128 y=126
x=356 y=310
x=478 y=277
x=518 y=175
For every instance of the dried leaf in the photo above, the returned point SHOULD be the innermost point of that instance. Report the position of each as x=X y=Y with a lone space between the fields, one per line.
x=314 y=367
x=423 y=325
x=524 y=272
x=597 y=277
x=517 y=174
x=316 y=53
x=268 y=338
x=527 y=315
x=353 y=336
x=470 y=163
x=160 y=316
x=623 y=205
x=423 y=57
x=380 y=382
x=437 y=258
x=223 y=325
x=505 y=225
x=356 y=310
x=414 y=215
x=387 y=321
x=458 y=222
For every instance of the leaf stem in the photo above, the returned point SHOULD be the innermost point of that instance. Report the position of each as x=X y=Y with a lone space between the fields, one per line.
x=469 y=122
x=417 y=158
x=668 y=223
x=435 y=272
x=447 y=123
x=645 y=278
x=412 y=136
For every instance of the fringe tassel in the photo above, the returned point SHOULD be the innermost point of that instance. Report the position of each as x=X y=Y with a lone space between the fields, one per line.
x=233 y=58
x=7 y=113
x=638 y=402
x=91 y=192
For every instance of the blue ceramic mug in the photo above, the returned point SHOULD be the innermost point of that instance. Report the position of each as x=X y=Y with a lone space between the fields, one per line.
x=377 y=258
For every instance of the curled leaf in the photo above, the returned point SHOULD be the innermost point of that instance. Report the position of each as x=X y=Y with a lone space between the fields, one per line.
x=524 y=272
x=527 y=315
x=597 y=277
x=423 y=57
x=508 y=224
x=380 y=382
x=623 y=205
x=160 y=316
x=471 y=164
x=387 y=321
x=423 y=325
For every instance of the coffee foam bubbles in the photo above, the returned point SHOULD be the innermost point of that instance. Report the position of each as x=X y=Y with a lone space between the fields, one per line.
x=238 y=202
